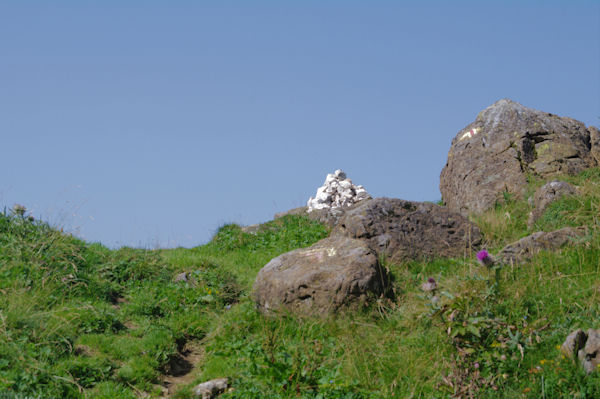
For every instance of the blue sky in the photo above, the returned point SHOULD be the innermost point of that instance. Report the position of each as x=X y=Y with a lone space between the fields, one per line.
x=153 y=123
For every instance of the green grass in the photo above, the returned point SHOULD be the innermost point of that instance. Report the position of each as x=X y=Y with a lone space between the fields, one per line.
x=80 y=320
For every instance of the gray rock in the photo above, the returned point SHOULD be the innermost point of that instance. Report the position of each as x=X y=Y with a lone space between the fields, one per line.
x=507 y=141
x=211 y=389
x=584 y=346
x=589 y=355
x=574 y=342
x=406 y=230
x=526 y=247
x=181 y=277
x=252 y=229
x=547 y=194
x=333 y=273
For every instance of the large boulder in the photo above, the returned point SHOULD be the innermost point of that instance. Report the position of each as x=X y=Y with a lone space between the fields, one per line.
x=524 y=249
x=507 y=141
x=333 y=273
x=404 y=230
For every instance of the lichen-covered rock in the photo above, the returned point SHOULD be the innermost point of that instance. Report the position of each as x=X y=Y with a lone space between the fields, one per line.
x=547 y=194
x=333 y=273
x=507 y=141
x=526 y=247
x=406 y=230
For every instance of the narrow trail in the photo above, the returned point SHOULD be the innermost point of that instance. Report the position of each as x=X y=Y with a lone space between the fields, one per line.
x=181 y=368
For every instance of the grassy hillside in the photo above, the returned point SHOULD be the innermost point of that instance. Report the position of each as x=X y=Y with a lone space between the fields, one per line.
x=79 y=320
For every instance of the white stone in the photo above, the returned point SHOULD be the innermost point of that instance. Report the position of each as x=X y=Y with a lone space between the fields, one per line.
x=345 y=184
x=337 y=192
x=340 y=174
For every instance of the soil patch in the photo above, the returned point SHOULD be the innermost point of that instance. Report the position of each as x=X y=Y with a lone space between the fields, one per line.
x=180 y=369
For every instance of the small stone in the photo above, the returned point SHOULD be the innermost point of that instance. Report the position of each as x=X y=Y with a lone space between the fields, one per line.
x=211 y=389
x=181 y=277
x=574 y=342
x=589 y=355
x=340 y=174
x=345 y=184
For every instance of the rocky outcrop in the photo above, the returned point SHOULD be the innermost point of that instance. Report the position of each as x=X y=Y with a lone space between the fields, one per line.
x=406 y=230
x=336 y=272
x=545 y=195
x=584 y=346
x=527 y=247
x=507 y=141
x=595 y=143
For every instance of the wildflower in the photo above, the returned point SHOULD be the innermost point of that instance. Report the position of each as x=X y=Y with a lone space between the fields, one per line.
x=485 y=258
x=430 y=285
x=19 y=209
x=476 y=365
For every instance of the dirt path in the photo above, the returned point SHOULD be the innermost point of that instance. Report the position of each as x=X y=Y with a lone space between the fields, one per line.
x=181 y=368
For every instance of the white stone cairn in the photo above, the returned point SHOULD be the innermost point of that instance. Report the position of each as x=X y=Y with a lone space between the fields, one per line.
x=337 y=191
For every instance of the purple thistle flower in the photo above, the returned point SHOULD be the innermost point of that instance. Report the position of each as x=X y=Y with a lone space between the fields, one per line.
x=430 y=285
x=485 y=258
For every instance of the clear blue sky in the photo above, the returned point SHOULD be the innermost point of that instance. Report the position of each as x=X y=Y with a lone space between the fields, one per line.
x=153 y=123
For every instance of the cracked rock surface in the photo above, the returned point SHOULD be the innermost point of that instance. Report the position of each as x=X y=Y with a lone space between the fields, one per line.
x=407 y=230
x=507 y=141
